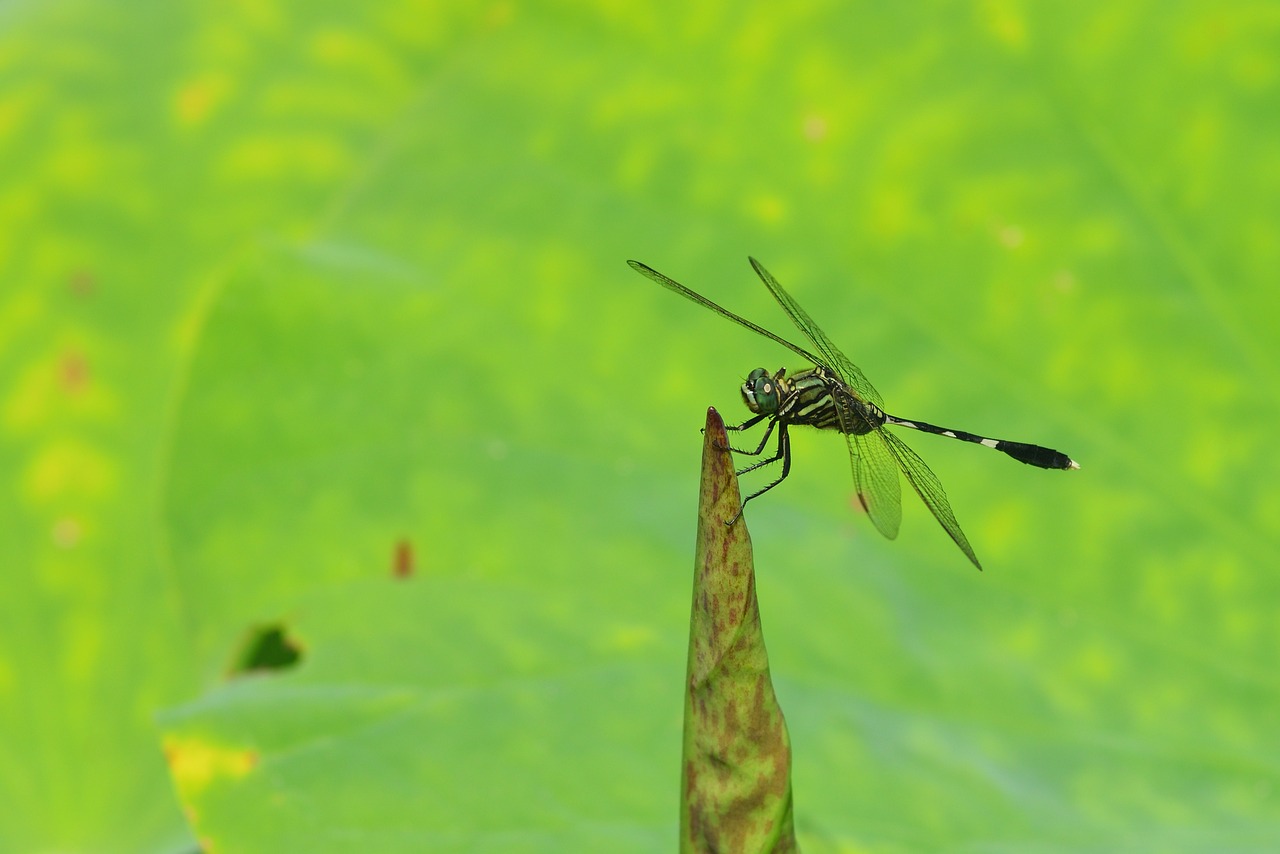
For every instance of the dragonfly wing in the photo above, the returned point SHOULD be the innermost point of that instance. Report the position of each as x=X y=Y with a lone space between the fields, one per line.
x=875 y=476
x=674 y=286
x=835 y=360
x=929 y=488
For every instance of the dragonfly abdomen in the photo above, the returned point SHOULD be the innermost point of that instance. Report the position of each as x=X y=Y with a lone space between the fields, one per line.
x=1032 y=455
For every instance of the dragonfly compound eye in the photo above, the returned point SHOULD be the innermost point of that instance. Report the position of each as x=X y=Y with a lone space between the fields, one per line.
x=760 y=392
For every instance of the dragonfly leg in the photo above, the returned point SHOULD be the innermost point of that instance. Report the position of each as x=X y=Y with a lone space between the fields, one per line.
x=784 y=454
x=763 y=439
x=782 y=438
x=747 y=425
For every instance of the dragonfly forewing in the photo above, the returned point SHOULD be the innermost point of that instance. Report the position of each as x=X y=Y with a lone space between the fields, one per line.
x=689 y=294
x=834 y=359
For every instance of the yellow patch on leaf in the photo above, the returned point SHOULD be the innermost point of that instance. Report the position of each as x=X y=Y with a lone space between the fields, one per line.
x=196 y=763
x=197 y=99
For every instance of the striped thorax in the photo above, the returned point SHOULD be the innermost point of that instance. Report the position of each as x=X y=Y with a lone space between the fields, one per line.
x=813 y=397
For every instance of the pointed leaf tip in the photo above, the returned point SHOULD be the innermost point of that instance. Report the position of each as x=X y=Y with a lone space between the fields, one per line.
x=736 y=792
x=718 y=494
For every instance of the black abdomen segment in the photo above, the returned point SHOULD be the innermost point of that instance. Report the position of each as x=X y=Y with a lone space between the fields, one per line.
x=1032 y=455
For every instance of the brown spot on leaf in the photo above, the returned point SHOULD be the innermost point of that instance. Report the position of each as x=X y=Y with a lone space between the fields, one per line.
x=82 y=283
x=73 y=372
x=402 y=563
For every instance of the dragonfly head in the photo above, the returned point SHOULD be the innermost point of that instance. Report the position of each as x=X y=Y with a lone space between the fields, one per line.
x=763 y=393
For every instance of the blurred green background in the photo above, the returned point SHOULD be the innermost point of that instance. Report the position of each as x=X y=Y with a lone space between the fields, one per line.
x=296 y=297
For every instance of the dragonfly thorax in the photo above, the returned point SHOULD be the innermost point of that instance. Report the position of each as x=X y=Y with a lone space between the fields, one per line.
x=763 y=394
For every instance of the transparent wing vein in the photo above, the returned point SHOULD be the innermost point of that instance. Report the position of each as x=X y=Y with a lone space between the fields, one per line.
x=834 y=359
x=875 y=476
x=929 y=488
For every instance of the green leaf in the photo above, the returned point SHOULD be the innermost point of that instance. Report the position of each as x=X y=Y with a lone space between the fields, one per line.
x=287 y=286
x=476 y=718
x=736 y=783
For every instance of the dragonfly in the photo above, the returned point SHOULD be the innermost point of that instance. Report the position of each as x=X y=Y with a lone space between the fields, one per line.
x=835 y=395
